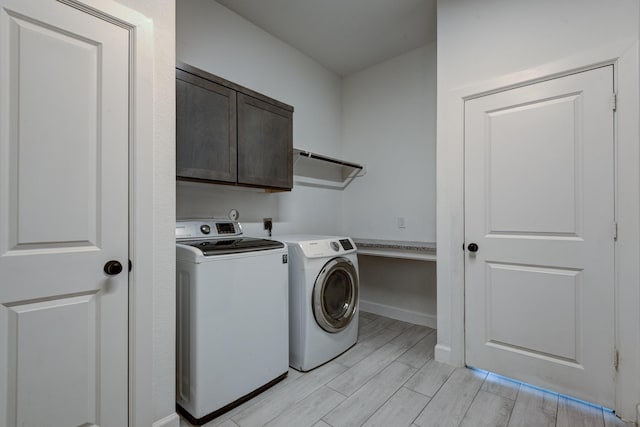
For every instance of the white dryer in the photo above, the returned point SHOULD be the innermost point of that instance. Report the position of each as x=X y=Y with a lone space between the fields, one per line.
x=323 y=298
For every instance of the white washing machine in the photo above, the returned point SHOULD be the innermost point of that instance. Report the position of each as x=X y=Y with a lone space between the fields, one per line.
x=323 y=298
x=232 y=317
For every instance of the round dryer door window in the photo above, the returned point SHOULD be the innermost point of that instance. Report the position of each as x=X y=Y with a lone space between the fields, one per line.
x=335 y=295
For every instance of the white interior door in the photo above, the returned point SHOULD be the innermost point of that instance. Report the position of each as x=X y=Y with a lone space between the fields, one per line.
x=539 y=205
x=63 y=215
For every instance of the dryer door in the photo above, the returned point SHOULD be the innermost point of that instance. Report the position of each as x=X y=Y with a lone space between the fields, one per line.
x=335 y=295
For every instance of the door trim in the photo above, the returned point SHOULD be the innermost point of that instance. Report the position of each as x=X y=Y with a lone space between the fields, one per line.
x=141 y=225
x=450 y=207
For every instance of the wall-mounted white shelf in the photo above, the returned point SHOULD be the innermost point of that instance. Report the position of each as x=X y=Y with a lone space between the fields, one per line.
x=419 y=251
x=318 y=170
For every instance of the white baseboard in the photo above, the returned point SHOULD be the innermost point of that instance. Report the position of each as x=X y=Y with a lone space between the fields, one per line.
x=397 y=313
x=442 y=353
x=638 y=414
x=172 y=420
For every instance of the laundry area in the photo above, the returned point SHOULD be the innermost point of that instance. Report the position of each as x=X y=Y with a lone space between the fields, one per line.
x=350 y=118
x=245 y=213
x=298 y=158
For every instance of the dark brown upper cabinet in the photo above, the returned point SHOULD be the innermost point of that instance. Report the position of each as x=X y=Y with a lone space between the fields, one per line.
x=226 y=133
x=205 y=129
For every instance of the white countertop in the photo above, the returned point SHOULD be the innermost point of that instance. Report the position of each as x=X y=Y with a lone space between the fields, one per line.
x=422 y=251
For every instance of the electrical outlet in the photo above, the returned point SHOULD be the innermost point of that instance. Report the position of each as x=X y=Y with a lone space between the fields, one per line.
x=268 y=223
x=401 y=222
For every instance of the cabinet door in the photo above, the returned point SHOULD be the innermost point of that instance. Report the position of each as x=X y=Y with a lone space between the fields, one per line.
x=265 y=144
x=205 y=129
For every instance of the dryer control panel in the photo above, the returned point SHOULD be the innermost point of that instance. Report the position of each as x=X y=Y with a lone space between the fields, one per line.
x=327 y=247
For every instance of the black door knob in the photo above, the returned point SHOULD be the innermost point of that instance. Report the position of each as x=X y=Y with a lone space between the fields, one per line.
x=112 y=268
x=472 y=247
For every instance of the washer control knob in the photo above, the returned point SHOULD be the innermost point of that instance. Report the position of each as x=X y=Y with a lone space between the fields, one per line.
x=335 y=246
x=205 y=229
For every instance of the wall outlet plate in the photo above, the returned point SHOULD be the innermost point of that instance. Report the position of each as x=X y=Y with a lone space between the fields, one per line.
x=268 y=223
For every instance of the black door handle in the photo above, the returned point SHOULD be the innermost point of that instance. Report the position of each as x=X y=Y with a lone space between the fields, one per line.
x=472 y=247
x=112 y=268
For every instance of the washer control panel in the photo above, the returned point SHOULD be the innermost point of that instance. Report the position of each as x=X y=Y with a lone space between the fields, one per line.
x=206 y=229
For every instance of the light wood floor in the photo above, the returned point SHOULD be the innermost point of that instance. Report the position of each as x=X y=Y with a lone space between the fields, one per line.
x=390 y=379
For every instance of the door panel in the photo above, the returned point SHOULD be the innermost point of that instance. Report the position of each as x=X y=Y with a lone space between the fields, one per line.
x=515 y=295
x=64 y=135
x=70 y=362
x=70 y=221
x=521 y=199
x=539 y=202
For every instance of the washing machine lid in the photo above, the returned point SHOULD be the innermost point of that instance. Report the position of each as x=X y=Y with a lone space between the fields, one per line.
x=233 y=246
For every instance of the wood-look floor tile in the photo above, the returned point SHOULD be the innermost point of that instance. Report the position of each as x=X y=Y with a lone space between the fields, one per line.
x=365 y=347
x=430 y=378
x=488 y=410
x=399 y=325
x=534 y=408
x=611 y=420
x=400 y=410
x=352 y=379
x=448 y=406
x=572 y=413
x=309 y=410
x=501 y=386
x=292 y=375
x=228 y=423
x=411 y=336
x=273 y=405
x=421 y=352
x=356 y=376
x=368 y=315
x=376 y=383
x=374 y=327
x=363 y=321
x=362 y=404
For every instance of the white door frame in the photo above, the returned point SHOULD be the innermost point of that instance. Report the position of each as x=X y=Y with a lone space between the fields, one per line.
x=450 y=208
x=140 y=200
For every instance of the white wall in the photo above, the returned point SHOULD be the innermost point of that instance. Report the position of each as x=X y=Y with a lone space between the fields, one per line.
x=213 y=38
x=389 y=124
x=162 y=243
x=481 y=44
x=478 y=41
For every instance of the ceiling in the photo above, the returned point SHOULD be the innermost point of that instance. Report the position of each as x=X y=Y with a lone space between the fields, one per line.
x=345 y=36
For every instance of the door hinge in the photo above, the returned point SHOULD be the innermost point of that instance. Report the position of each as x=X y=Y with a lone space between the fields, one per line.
x=615 y=230
x=616 y=359
x=614 y=101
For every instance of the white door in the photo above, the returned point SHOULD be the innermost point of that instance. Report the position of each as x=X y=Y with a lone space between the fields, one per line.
x=539 y=205
x=63 y=215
